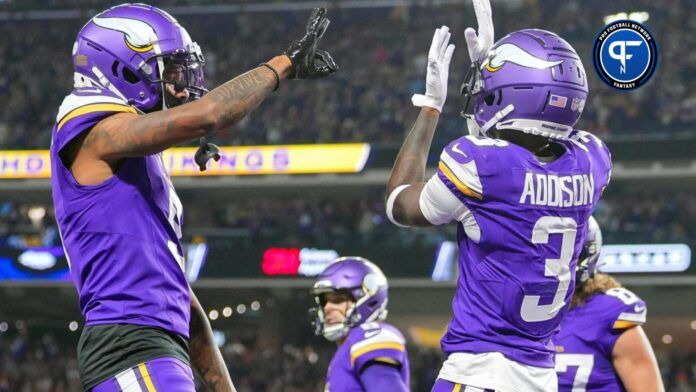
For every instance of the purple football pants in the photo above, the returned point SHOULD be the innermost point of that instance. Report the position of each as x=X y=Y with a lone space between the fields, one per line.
x=158 y=375
x=448 y=386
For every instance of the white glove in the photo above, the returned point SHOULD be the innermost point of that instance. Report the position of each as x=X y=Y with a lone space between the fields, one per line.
x=480 y=44
x=439 y=59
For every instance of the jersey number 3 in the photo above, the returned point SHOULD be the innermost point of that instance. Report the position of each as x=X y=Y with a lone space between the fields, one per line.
x=531 y=310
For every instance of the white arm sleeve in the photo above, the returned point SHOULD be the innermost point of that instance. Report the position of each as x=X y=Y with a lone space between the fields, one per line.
x=390 y=203
x=440 y=206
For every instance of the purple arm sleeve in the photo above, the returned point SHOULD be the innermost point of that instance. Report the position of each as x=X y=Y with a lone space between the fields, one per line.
x=378 y=377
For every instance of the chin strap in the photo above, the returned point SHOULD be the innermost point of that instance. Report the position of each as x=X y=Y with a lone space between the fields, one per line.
x=104 y=81
x=496 y=118
x=541 y=128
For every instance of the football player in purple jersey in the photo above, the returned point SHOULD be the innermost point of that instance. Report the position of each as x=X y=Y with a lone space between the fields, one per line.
x=601 y=345
x=520 y=187
x=351 y=297
x=139 y=89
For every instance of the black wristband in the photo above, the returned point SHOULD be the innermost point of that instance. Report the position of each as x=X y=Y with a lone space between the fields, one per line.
x=274 y=73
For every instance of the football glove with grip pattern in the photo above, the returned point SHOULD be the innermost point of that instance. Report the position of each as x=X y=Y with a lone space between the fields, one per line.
x=308 y=61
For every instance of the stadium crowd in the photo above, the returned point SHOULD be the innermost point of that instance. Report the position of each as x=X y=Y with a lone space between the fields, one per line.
x=382 y=52
x=625 y=215
x=45 y=362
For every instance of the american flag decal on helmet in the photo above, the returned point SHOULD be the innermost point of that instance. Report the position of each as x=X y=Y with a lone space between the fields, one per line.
x=558 y=101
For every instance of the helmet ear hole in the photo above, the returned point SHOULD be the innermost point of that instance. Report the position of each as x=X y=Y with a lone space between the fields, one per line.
x=130 y=76
x=489 y=98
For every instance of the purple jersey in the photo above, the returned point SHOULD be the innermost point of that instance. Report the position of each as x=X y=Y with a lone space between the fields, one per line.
x=369 y=342
x=121 y=236
x=521 y=231
x=586 y=340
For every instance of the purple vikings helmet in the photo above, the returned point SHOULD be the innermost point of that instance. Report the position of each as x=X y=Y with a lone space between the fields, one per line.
x=531 y=81
x=131 y=49
x=587 y=262
x=368 y=287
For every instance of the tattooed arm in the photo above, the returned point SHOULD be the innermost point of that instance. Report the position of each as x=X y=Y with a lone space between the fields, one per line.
x=206 y=358
x=409 y=169
x=125 y=135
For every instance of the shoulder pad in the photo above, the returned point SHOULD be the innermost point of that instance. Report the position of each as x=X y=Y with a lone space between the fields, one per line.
x=84 y=108
x=380 y=342
x=458 y=163
x=624 y=309
x=591 y=144
x=85 y=101
x=598 y=154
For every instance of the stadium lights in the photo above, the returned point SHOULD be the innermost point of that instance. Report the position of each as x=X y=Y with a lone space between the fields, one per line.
x=639 y=17
x=645 y=258
x=313 y=357
x=226 y=312
x=219 y=337
x=213 y=315
x=36 y=214
x=693 y=325
x=73 y=326
x=255 y=306
x=241 y=308
x=3 y=327
x=667 y=339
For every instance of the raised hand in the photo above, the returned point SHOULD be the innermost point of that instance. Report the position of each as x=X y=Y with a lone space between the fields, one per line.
x=479 y=44
x=439 y=58
x=308 y=61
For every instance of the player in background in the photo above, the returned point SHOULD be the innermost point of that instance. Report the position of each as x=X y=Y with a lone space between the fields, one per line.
x=601 y=345
x=139 y=89
x=520 y=188
x=351 y=297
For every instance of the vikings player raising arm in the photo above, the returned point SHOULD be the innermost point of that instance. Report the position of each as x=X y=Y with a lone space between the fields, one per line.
x=351 y=297
x=601 y=345
x=520 y=188
x=117 y=210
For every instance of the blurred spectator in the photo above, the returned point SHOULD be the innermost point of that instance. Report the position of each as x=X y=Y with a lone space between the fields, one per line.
x=44 y=363
x=382 y=56
x=626 y=216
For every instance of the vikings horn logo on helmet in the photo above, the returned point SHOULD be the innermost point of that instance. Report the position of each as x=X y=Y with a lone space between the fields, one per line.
x=514 y=54
x=139 y=35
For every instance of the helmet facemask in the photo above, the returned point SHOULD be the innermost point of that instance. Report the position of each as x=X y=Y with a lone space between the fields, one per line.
x=470 y=88
x=181 y=71
x=335 y=331
x=588 y=261
x=352 y=318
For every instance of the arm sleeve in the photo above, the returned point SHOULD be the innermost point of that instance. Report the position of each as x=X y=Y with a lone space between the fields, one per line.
x=439 y=205
x=379 y=376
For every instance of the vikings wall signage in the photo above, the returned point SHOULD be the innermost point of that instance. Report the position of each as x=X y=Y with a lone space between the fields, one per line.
x=248 y=160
